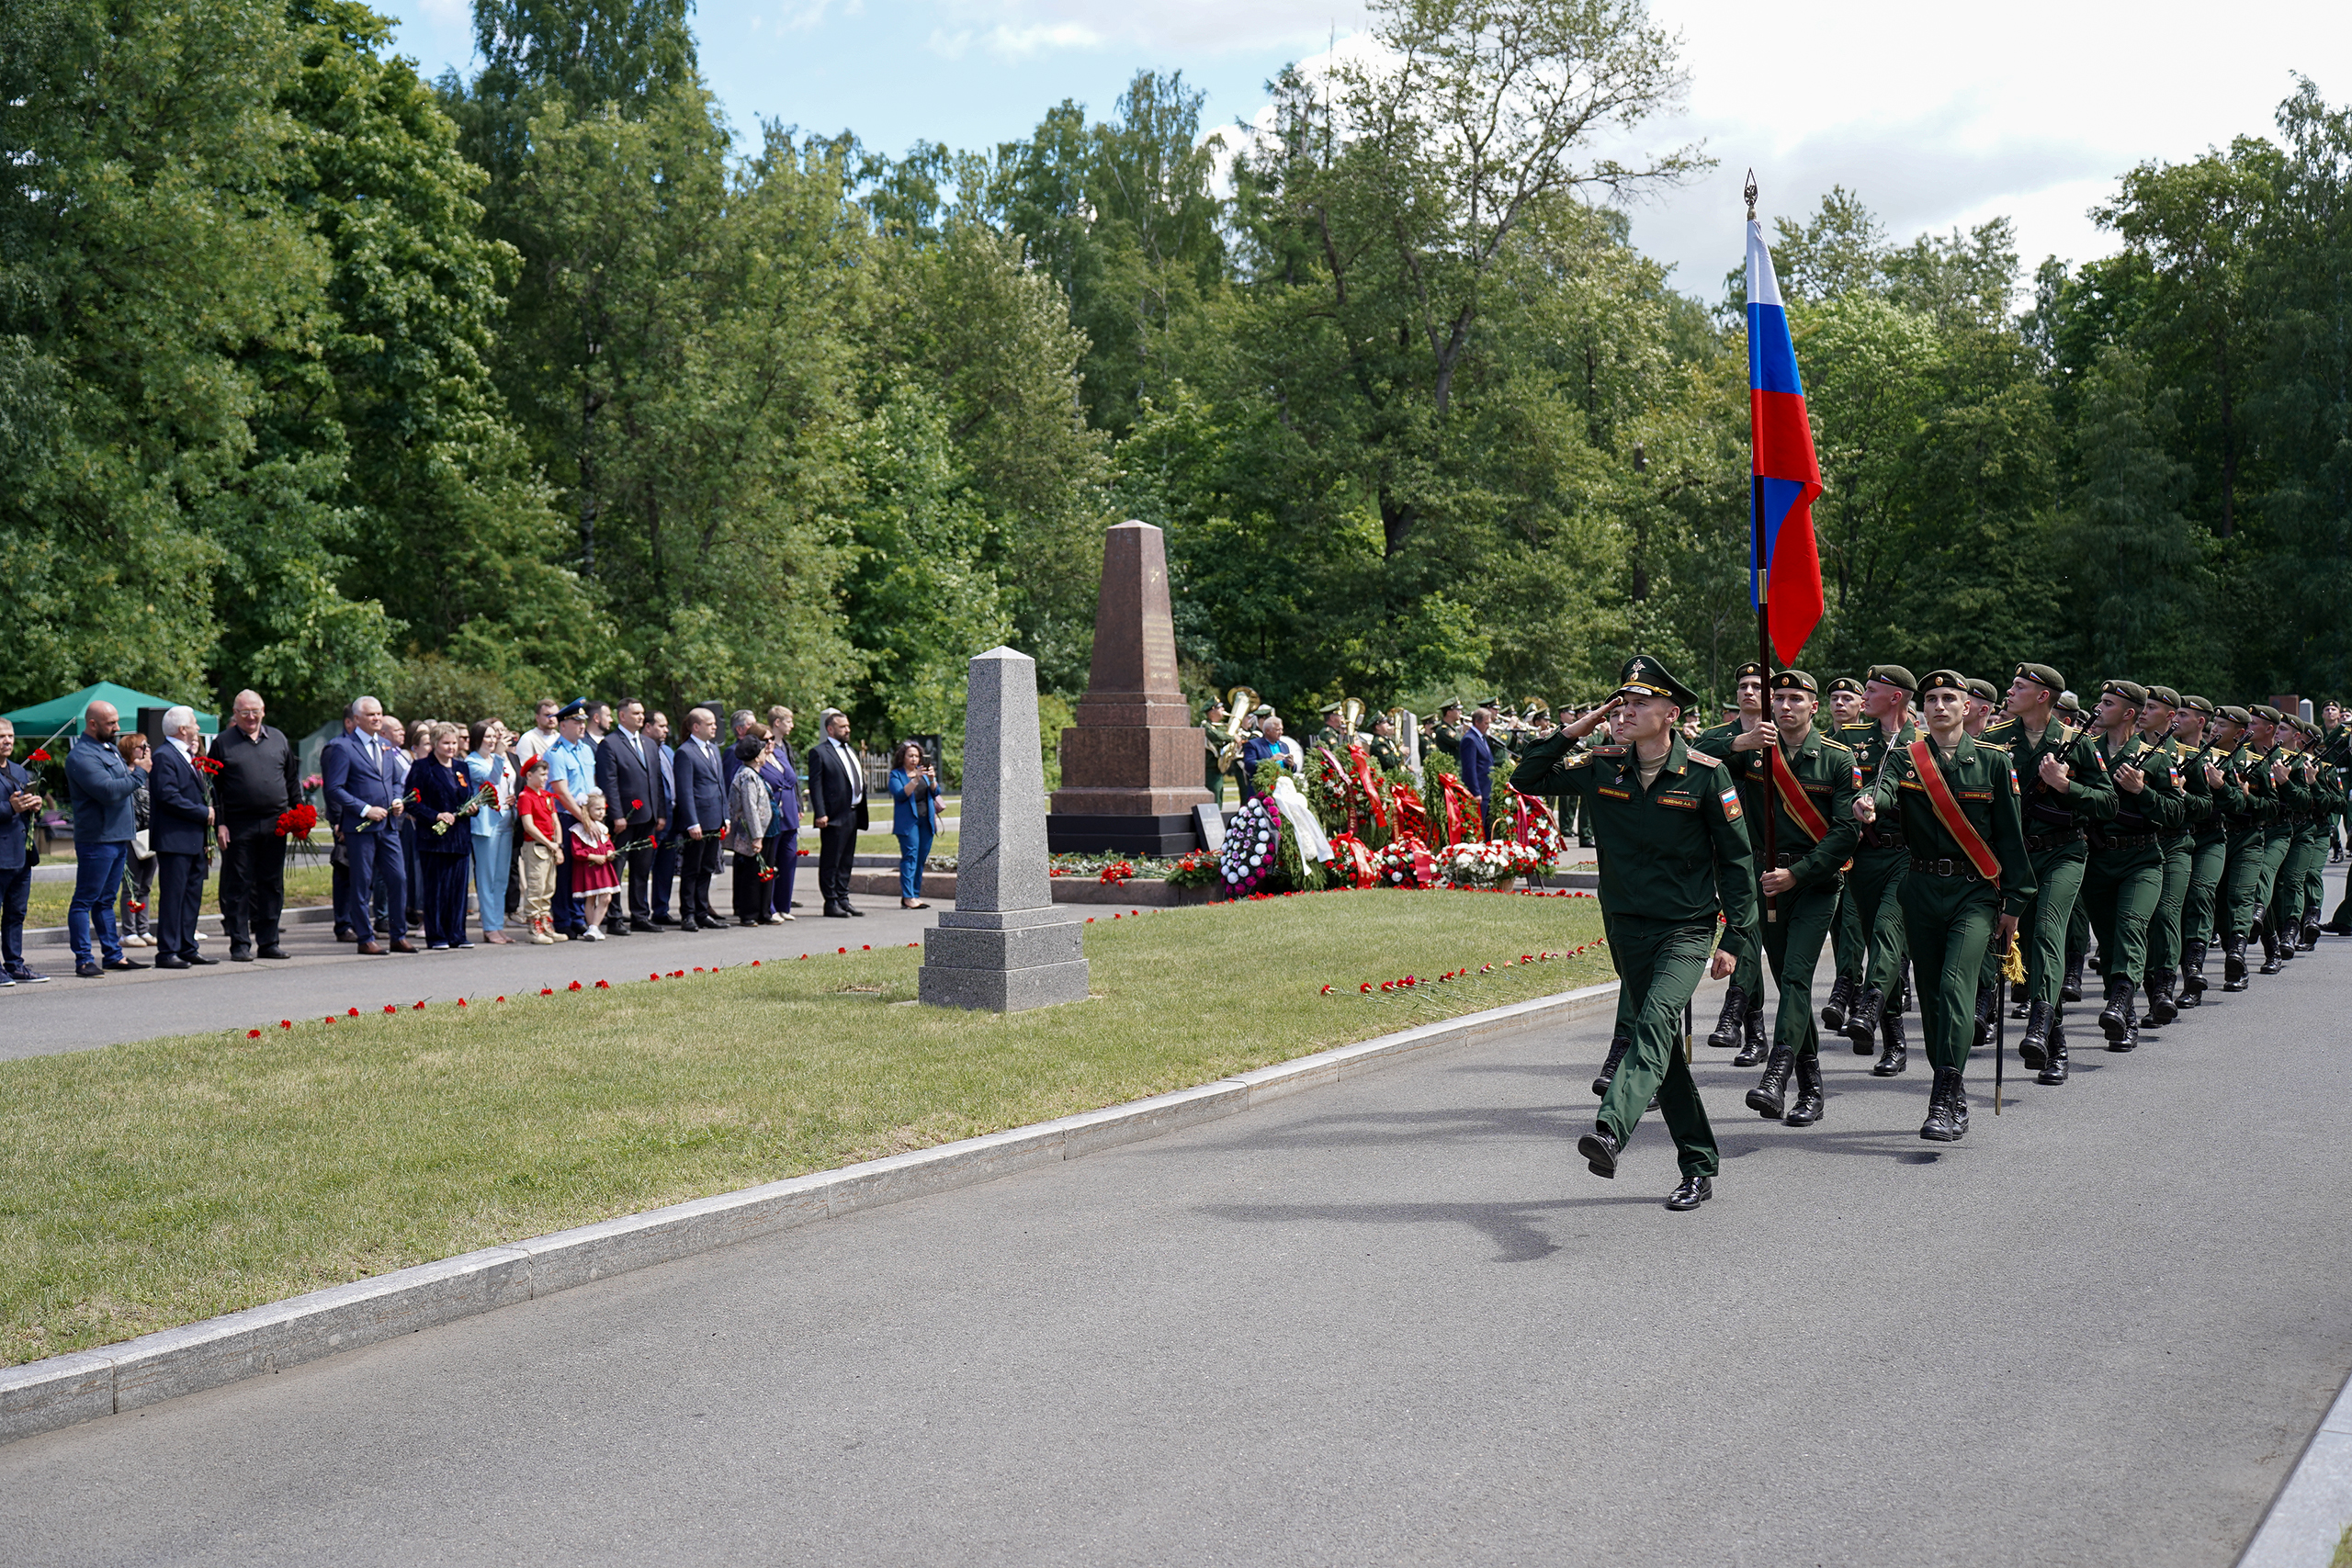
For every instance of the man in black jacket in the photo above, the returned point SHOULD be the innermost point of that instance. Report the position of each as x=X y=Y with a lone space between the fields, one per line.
x=255 y=786
x=637 y=808
x=837 y=800
x=179 y=819
x=700 y=777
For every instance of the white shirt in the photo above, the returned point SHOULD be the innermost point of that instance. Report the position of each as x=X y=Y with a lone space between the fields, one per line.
x=534 y=742
x=857 y=771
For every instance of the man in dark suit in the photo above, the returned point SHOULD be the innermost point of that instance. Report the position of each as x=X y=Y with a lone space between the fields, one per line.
x=1477 y=756
x=361 y=781
x=179 y=820
x=667 y=853
x=21 y=806
x=637 y=808
x=701 y=780
x=837 y=800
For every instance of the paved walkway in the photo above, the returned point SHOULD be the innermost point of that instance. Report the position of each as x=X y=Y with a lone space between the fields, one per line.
x=1394 y=1320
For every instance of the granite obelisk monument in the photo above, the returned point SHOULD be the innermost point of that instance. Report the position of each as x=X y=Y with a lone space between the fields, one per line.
x=1131 y=765
x=1006 y=946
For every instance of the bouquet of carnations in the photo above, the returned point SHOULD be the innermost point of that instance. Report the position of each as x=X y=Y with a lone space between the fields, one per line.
x=1406 y=863
x=1482 y=863
x=297 y=822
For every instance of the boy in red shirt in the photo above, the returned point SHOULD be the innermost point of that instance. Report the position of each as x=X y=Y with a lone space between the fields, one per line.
x=542 y=850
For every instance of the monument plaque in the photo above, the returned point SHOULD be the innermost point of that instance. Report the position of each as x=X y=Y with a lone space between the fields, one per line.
x=1131 y=765
x=1006 y=946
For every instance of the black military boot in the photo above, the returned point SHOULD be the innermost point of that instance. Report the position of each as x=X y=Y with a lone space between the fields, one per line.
x=2053 y=1070
x=1939 y=1127
x=1842 y=992
x=1988 y=1008
x=2233 y=964
x=2311 y=932
x=2020 y=998
x=1756 y=1049
x=2069 y=989
x=1958 y=1102
x=2192 y=974
x=2033 y=1045
x=1861 y=1023
x=1736 y=1005
x=1619 y=1044
x=1808 y=1109
x=1896 y=1054
x=2160 y=1008
x=2124 y=1034
x=2271 y=961
x=1899 y=999
x=1769 y=1097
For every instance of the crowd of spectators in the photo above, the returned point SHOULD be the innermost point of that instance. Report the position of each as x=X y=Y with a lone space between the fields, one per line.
x=592 y=824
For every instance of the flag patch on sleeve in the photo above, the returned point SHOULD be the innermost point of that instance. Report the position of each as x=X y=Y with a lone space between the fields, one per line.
x=1730 y=798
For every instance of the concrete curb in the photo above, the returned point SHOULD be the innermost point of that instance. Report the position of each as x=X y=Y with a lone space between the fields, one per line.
x=42 y=1396
x=2313 y=1509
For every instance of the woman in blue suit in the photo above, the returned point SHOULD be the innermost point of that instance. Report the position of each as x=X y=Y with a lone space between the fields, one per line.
x=782 y=772
x=914 y=817
x=445 y=841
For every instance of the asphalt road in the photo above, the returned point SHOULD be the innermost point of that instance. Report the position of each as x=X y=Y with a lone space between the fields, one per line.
x=1394 y=1320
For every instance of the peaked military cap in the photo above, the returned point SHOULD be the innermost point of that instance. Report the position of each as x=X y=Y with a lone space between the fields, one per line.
x=1645 y=677
x=1750 y=668
x=2130 y=692
x=1334 y=707
x=1795 y=681
x=1847 y=684
x=1938 y=680
x=576 y=708
x=2164 y=695
x=1450 y=704
x=2042 y=675
x=1983 y=690
x=2235 y=715
x=2202 y=705
x=1893 y=675
x=2264 y=710
x=1263 y=710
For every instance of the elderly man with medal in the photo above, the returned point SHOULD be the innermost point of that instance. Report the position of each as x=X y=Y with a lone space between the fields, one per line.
x=1968 y=882
x=1674 y=854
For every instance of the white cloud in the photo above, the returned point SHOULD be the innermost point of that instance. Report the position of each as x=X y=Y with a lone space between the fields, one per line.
x=1018 y=27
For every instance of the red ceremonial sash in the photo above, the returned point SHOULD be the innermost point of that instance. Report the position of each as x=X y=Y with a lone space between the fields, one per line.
x=1799 y=804
x=1939 y=795
x=1460 y=806
x=1366 y=785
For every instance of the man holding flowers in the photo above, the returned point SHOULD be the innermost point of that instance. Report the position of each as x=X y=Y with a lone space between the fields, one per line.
x=254 y=788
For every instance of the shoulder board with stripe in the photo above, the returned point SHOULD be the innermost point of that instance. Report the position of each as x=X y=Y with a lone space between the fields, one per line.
x=1607 y=751
x=1702 y=759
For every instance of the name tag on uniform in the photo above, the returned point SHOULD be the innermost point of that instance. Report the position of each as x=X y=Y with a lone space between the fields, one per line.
x=1684 y=801
x=1915 y=784
x=1974 y=794
x=1616 y=794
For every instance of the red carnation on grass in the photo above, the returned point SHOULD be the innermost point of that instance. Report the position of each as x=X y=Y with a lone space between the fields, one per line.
x=285 y=1024
x=420 y=1008
x=867 y=947
x=654 y=976
x=841 y=950
x=355 y=1012
x=1365 y=987
x=574 y=986
x=1327 y=990
x=253 y=1033
x=461 y=1001
x=502 y=998
x=388 y=1008
x=549 y=990
x=601 y=985
x=755 y=964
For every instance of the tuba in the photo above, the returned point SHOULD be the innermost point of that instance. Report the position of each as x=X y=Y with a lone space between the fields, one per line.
x=1239 y=704
x=1351 y=715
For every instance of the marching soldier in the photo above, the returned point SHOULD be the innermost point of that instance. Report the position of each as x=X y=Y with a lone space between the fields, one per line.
x=1813 y=786
x=2247 y=805
x=2064 y=789
x=2307 y=845
x=2279 y=830
x=2123 y=880
x=2176 y=846
x=1740 y=742
x=2209 y=793
x=1847 y=944
x=1880 y=862
x=1969 y=877
x=1674 y=856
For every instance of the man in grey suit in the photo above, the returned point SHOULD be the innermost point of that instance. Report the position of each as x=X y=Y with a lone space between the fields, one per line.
x=702 y=816
x=637 y=808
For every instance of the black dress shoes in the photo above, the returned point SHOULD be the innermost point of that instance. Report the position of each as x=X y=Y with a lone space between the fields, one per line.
x=123 y=965
x=198 y=960
x=241 y=955
x=273 y=951
x=168 y=961
x=665 y=920
x=835 y=912
x=854 y=911
x=643 y=926
x=1694 y=1190
x=1600 y=1150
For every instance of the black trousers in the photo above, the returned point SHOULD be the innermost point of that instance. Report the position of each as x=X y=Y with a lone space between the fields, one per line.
x=698 y=863
x=567 y=914
x=340 y=870
x=444 y=896
x=667 y=858
x=252 y=884
x=751 y=889
x=836 y=853
x=638 y=861
x=179 y=900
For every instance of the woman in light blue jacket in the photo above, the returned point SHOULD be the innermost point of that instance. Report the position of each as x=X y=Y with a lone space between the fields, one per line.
x=490 y=761
x=914 y=817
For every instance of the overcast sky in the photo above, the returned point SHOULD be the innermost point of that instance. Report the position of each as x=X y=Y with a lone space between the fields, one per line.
x=1935 y=117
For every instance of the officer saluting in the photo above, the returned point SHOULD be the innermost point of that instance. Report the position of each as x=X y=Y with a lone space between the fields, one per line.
x=1674 y=853
x=1969 y=877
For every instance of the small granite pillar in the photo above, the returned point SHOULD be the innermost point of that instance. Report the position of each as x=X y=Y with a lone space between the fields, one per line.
x=1131 y=765
x=1006 y=946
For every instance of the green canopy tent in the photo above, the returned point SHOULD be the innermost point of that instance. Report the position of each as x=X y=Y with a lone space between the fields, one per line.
x=63 y=715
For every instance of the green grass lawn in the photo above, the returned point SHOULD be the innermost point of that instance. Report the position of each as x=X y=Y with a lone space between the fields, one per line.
x=884 y=844
x=305 y=883
x=147 y=1185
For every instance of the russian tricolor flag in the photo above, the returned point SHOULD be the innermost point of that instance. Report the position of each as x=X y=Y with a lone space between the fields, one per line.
x=1784 y=563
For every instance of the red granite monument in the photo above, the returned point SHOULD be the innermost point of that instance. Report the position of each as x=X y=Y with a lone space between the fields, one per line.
x=1131 y=765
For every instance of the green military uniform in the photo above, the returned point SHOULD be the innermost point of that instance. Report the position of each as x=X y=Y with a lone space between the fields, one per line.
x=2208 y=850
x=2054 y=820
x=1334 y=737
x=1881 y=859
x=1743 y=1014
x=1798 y=922
x=1446 y=734
x=2278 y=837
x=1212 y=743
x=1849 y=944
x=1950 y=910
x=2248 y=805
x=2123 y=880
x=2307 y=840
x=1674 y=856
x=2176 y=845
x=2337 y=752
x=1384 y=753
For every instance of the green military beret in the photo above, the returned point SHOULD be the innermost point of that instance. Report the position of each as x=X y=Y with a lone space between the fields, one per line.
x=2132 y=692
x=1645 y=677
x=2235 y=715
x=2164 y=695
x=2042 y=675
x=1892 y=675
x=1983 y=690
x=1795 y=681
x=1750 y=668
x=1938 y=681
x=1847 y=684
x=2202 y=705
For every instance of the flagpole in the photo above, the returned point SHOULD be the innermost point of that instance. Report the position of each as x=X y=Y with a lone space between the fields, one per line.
x=1763 y=631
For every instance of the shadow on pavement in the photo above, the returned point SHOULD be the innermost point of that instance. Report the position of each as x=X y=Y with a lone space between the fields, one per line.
x=1511 y=1226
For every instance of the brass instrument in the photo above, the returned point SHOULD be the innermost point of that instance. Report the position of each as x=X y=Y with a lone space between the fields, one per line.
x=1351 y=716
x=1240 y=703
